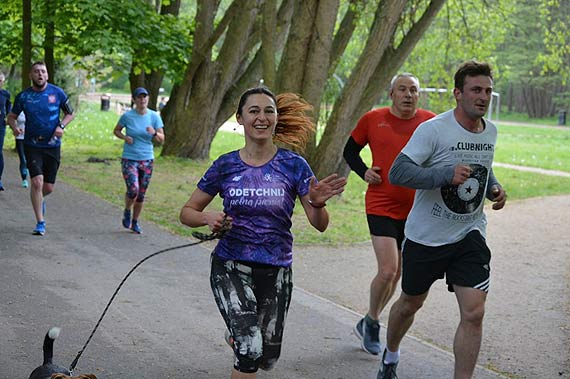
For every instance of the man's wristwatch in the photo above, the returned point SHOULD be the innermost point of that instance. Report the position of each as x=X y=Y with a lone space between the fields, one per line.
x=61 y=125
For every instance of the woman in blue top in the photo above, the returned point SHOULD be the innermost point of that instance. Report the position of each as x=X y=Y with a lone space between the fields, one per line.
x=251 y=274
x=142 y=126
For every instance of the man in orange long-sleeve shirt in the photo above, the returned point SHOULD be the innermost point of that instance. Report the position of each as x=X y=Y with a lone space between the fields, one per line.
x=386 y=131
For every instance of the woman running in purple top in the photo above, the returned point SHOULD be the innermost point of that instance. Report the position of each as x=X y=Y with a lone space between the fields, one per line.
x=251 y=275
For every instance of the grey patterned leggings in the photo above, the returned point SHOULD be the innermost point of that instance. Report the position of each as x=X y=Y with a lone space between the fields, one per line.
x=253 y=300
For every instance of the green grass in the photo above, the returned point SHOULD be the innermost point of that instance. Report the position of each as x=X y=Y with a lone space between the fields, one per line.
x=523 y=117
x=174 y=179
x=547 y=148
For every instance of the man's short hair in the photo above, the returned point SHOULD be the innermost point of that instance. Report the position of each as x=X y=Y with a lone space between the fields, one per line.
x=38 y=63
x=403 y=75
x=471 y=68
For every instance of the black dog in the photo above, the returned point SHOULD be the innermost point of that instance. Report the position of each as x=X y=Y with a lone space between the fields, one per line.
x=50 y=370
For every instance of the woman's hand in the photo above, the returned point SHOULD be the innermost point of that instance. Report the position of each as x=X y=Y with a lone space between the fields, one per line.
x=218 y=221
x=326 y=188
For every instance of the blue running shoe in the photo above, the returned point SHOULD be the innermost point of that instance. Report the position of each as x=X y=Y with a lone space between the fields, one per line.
x=1 y=186
x=127 y=219
x=387 y=370
x=369 y=335
x=40 y=229
x=135 y=227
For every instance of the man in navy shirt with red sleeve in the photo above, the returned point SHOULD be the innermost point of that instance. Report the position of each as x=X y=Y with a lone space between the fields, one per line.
x=42 y=104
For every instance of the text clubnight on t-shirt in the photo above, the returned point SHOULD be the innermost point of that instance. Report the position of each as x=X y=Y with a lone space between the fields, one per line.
x=260 y=201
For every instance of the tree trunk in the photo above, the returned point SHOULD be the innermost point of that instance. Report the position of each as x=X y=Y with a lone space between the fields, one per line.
x=49 y=41
x=329 y=153
x=510 y=97
x=191 y=129
x=318 y=57
x=194 y=138
x=26 y=42
x=309 y=51
x=344 y=33
x=268 y=43
x=328 y=157
x=151 y=82
x=295 y=53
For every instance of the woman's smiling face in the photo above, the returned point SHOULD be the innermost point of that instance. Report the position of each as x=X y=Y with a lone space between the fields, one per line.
x=258 y=116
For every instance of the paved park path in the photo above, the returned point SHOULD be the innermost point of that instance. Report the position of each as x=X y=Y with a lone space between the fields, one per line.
x=164 y=323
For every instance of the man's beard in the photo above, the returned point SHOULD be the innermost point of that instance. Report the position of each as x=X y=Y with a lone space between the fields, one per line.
x=37 y=85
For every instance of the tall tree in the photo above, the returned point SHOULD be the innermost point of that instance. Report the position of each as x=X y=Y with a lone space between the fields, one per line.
x=141 y=75
x=463 y=30
x=382 y=56
x=50 y=8
x=26 y=42
x=556 y=57
x=194 y=112
x=228 y=57
x=534 y=70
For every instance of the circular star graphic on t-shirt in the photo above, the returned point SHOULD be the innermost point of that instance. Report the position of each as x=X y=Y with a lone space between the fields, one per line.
x=468 y=190
x=466 y=197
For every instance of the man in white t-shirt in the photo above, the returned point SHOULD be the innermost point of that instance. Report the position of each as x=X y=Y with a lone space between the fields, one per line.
x=448 y=161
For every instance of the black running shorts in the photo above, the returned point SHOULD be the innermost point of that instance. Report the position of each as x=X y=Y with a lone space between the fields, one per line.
x=42 y=161
x=383 y=226
x=465 y=263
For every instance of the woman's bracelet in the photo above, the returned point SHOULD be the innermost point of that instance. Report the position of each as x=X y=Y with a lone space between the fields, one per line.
x=312 y=204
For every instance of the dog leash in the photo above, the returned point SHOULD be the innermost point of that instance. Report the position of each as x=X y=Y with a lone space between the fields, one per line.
x=202 y=237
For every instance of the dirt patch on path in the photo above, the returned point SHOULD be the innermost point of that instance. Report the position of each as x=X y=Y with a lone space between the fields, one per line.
x=527 y=323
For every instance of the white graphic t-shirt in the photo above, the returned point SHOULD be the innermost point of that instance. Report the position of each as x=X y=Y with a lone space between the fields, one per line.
x=445 y=215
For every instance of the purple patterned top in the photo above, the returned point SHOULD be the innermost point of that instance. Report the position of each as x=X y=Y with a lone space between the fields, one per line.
x=260 y=201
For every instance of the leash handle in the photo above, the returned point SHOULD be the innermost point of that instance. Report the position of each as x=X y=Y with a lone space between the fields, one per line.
x=226 y=225
x=200 y=236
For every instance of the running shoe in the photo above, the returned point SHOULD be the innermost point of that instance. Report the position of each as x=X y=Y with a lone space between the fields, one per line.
x=387 y=371
x=135 y=227
x=369 y=335
x=24 y=183
x=40 y=229
x=1 y=186
x=127 y=219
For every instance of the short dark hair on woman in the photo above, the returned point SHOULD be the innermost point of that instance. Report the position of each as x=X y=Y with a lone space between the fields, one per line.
x=471 y=68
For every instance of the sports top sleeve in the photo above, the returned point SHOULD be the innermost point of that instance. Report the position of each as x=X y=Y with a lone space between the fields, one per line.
x=491 y=181
x=406 y=173
x=352 y=156
x=211 y=180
